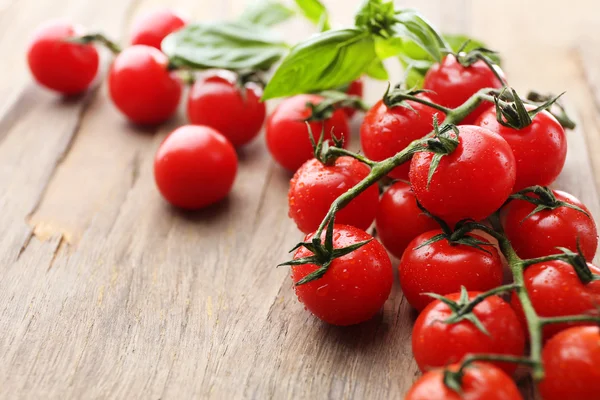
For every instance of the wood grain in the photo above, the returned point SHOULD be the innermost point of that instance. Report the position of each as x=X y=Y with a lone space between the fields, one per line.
x=107 y=292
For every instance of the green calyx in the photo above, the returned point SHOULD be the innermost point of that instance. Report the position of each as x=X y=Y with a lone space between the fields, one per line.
x=544 y=199
x=321 y=148
x=398 y=96
x=557 y=109
x=323 y=254
x=466 y=59
x=332 y=101
x=511 y=111
x=97 y=38
x=444 y=141
x=579 y=264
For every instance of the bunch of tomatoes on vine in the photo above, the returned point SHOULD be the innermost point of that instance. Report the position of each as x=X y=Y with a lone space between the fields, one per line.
x=454 y=175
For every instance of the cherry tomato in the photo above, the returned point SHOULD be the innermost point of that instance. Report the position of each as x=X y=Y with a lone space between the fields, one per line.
x=437 y=344
x=216 y=101
x=572 y=365
x=355 y=286
x=142 y=87
x=354 y=89
x=315 y=186
x=442 y=268
x=452 y=84
x=555 y=291
x=194 y=167
x=541 y=233
x=399 y=220
x=287 y=134
x=471 y=182
x=387 y=131
x=480 y=382
x=59 y=65
x=540 y=149
x=152 y=27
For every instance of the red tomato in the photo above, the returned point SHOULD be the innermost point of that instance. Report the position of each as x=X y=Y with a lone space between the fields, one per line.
x=387 y=131
x=355 y=286
x=452 y=84
x=152 y=27
x=399 y=220
x=216 y=101
x=540 y=149
x=354 y=89
x=437 y=344
x=194 y=167
x=142 y=87
x=480 y=382
x=287 y=134
x=540 y=234
x=471 y=182
x=59 y=65
x=572 y=364
x=315 y=186
x=442 y=268
x=555 y=291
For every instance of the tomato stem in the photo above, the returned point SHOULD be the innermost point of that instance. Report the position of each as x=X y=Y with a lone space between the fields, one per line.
x=570 y=318
x=98 y=38
x=337 y=151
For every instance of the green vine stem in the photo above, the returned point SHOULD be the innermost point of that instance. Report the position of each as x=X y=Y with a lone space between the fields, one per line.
x=98 y=38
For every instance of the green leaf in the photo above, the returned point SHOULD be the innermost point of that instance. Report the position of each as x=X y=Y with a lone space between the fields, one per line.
x=415 y=27
x=266 y=13
x=315 y=12
x=233 y=45
x=325 y=61
x=377 y=17
x=376 y=70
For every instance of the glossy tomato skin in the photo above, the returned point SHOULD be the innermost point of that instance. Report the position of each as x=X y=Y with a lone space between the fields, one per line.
x=540 y=234
x=355 y=88
x=399 y=220
x=217 y=102
x=452 y=84
x=287 y=135
x=471 y=182
x=555 y=291
x=355 y=286
x=56 y=64
x=142 y=87
x=152 y=27
x=480 y=382
x=387 y=131
x=443 y=268
x=540 y=149
x=571 y=362
x=194 y=167
x=315 y=186
x=437 y=344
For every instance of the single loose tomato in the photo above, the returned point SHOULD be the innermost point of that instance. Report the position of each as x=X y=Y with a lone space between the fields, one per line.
x=399 y=220
x=471 y=182
x=480 y=382
x=441 y=267
x=540 y=234
x=287 y=134
x=152 y=27
x=452 y=84
x=194 y=167
x=142 y=87
x=386 y=131
x=218 y=102
x=57 y=64
x=354 y=89
x=555 y=290
x=571 y=362
x=436 y=343
x=315 y=186
x=540 y=149
x=355 y=286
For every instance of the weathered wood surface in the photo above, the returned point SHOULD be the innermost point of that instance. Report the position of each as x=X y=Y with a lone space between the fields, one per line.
x=105 y=291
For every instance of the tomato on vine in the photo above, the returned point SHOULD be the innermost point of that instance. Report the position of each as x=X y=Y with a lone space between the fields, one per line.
x=58 y=64
x=194 y=167
x=152 y=27
x=354 y=287
x=210 y=96
x=316 y=185
x=571 y=362
x=399 y=219
x=142 y=87
x=287 y=134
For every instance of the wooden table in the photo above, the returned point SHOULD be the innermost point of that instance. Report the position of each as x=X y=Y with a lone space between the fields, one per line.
x=105 y=291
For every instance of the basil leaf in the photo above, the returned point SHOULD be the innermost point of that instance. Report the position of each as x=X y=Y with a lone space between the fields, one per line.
x=413 y=26
x=377 y=70
x=315 y=12
x=266 y=13
x=377 y=17
x=232 y=45
x=324 y=61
